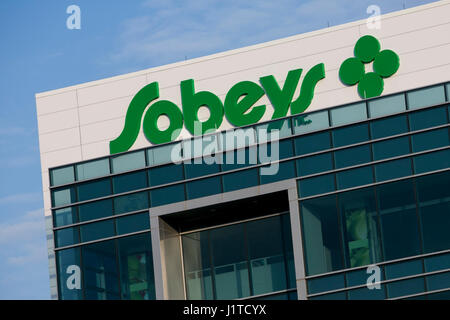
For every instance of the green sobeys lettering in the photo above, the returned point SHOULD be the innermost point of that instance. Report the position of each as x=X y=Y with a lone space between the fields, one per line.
x=238 y=107
x=192 y=101
x=235 y=110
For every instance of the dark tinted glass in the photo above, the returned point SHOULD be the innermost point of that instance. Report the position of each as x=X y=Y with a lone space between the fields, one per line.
x=354 y=177
x=434 y=204
x=130 y=181
x=352 y=156
x=66 y=216
x=165 y=174
x=68 y=260
x=203 y=187
x=286 y=170
x=194 y=169
x=100 y=274
x=312 y=143
x=133 y=223
x=432 y=161
x=326 y=283
x=427 y=118
x=315 y=164
x=131 y=202
x=361 y=232
x=350 y=135
x=321 y=235
x=316 y=185
x=95 y=189
x=430 y=140
x=399 y=223
x=240 y=180
x=393 y=169
x=97 y=230
x=136 y=267
x=389 y=126
x=166 y=195
x=391 y=148
x=95 y=210
x=67 y=237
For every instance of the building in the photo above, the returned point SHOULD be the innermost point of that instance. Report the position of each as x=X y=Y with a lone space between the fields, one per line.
x=362 y=187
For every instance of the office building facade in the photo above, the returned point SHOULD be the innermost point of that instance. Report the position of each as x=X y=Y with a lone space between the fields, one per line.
x=350 y=187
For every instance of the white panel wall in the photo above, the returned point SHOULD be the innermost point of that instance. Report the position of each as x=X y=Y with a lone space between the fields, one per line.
x=77 y=123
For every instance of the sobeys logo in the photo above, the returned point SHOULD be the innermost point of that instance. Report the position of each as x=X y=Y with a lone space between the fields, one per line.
x=239 y=107
x=239 y=104
x=385 y=64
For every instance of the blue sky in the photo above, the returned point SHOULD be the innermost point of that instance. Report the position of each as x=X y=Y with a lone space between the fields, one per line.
x=39 y=53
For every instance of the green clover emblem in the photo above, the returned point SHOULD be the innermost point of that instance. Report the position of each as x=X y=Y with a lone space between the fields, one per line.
x=385 y=64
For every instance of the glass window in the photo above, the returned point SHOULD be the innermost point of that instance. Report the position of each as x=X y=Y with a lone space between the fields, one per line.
x=197 y=266
x=405 y=287
x=163 y=154
x=238 y=138
x=350 y=135
x=393 y=169
x=387 y=105
x=95 y=189
x=67 y=237
x=269 y=174
x=311 y=122
x=316 y=185
x=426 y=97
x=267 y=255
x=399 y=223
x=95 y=210
x=331 y=296
x=391 y=148
x=62 y=176
x=229 y=258
x=312 y=143
x=315 y=164
x=368 y=294
x=430 y=140
x=274 y=130
x=167 y=195
x=240 y=179
x=438 y=281
x=354 y=177
x=352 y=156
x=130 y=181
x=403 y=269
x=165 y=174
x=97 y=230
x=321 y=235
x=64 y=217
x=93 y=169
x=100 y=274
x=360 y=222
x=276 y=150
x=388 y=127
x=432 y=161
x=128 y=161
x=200 y=167
x=136 y=267
x=241 y=158
x=438 y=262
x=327 y=283
x=348 y=114
x=200 y=146
x=359 y=277
x=131 y=202
x=428 y=118
x=448 y=91
x=68 y=262
x=203 y=187
x=133 y=223
x=64 y=196
x=434 y=205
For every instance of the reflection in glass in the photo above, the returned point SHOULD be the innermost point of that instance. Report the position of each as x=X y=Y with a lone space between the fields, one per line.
x=136 y=267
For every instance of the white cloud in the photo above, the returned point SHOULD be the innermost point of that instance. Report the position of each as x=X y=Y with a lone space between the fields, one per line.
x=21 y=198
x=170 y=30
x=28 y=227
